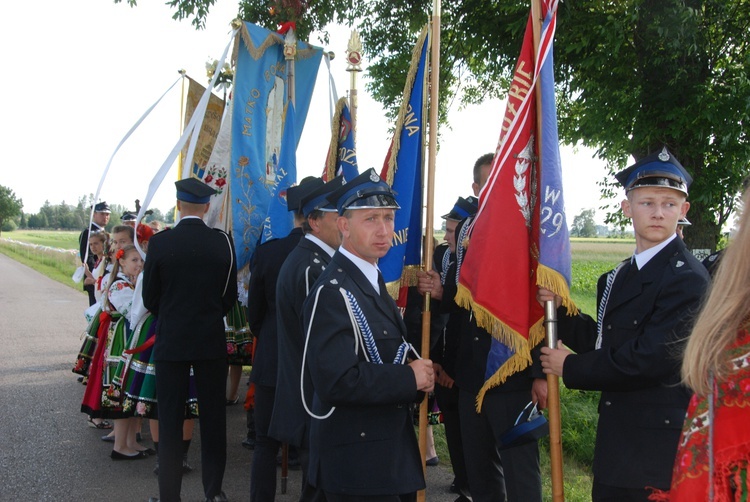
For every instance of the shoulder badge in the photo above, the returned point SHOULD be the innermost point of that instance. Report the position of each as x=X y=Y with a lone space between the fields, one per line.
x=679 y=263
x=334 y=281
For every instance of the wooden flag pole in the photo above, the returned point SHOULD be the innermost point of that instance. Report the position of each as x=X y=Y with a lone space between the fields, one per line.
x=428 y=249
x=550 y=312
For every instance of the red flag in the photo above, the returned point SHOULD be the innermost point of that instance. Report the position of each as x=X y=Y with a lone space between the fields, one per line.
x=498 y=274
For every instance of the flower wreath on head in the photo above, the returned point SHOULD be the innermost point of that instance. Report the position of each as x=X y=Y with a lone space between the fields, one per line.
x=119 y=254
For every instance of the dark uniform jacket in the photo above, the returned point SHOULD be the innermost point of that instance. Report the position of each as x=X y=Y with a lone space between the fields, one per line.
x=368 y=445
x=261 y=304
x=83 y=246
x=290 y=423
x=189 y=283
x=642 y=407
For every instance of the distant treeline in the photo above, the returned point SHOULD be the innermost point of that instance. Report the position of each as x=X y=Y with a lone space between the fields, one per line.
x=75 y=217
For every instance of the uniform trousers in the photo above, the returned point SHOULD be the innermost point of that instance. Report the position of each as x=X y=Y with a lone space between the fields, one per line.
x=171 y=393
x=447 y=400
x=263 y=469
x=513 y=475
x=605 y=493
x=334 y=497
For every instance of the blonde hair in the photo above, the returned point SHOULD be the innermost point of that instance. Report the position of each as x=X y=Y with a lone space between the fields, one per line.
x=725 y=311
x=116 y=270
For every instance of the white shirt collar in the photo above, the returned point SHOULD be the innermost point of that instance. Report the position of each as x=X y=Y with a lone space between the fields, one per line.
x=367 y=268
x=325 y=247
x=641 y=259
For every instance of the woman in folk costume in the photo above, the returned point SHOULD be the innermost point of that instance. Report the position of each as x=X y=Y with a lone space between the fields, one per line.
x=98 y=243
x=714 y=450
x=101 y=397
x=136 y=376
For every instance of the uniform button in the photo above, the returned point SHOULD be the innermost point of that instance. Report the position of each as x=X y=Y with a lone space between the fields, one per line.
x=607 y=403
x=635 y=322
x=609 y=326
x=362 y=434
x=340 y=270
x=399 y=406
x=476 y=338
x=385 y=331
x=666 y=421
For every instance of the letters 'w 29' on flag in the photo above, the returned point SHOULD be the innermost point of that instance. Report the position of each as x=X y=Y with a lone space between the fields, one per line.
x=259 y=100
x=519 y=237
x=342 y=153
x=403 y=171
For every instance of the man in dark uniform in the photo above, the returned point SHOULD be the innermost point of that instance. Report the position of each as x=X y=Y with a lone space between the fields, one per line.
x=442 y=286
x=261 y=317
x=632 y=354
x=515 y=473
x=362 y=441
x=99 y=221
x=190 y=283
x=290 y=423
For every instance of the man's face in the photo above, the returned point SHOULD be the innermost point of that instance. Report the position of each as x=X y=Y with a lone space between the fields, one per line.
x=655 y=212
x=367 y=233
x=101 y=219
x=326 y=228
x=484 y=174
x=450 y=234
x=120 y=240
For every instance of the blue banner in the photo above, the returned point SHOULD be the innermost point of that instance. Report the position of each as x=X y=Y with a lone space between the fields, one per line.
x=554 y=241
x=403 y=171
x=279 y=222
x=342 y=153
x=259 y=100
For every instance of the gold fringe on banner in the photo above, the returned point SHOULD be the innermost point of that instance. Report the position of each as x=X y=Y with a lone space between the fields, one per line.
x=504 y=334
x=549 y=278
x=402 y=111
x=272 y=39
x=330 y=169
x=408 y=278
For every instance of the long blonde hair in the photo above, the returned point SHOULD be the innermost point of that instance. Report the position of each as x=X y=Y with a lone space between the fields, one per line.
x=725 y=310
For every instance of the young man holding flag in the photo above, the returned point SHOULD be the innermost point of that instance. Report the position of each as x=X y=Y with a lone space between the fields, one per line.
x=631 y=352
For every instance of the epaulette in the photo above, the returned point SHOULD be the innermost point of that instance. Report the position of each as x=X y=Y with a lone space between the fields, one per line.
x=336 y=277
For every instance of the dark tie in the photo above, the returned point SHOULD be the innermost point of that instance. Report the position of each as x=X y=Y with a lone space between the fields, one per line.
x=382 y=286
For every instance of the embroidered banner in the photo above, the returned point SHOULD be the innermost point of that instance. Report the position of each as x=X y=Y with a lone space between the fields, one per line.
x=342 y=153
x=403 y=171
x=500 y=271
x=278 y=222
x=216 y=173
x=208 y=133
x=259 y=101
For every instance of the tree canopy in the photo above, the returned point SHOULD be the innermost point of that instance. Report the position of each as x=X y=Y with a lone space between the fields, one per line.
x=583 y=224
x=10 y=205
x=632 y=75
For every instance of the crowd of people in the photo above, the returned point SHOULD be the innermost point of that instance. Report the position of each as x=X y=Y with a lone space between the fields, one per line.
x=336 y=376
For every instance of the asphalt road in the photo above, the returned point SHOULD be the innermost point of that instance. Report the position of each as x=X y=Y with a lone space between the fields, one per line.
x=47 y=451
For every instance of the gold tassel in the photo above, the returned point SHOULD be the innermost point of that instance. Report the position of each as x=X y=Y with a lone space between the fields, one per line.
x=551 y=279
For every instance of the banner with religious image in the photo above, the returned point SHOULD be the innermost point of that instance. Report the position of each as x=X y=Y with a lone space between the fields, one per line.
x=259 y=100
x=209 y=130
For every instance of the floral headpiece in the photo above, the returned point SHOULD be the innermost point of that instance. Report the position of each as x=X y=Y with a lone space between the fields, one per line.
x=119 y=254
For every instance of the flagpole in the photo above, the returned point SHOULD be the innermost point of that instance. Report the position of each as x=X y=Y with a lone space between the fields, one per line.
x=354 y=66
x=550 y=312
x=429 y=208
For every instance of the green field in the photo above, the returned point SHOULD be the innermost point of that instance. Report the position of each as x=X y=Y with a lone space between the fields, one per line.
x=590 y=259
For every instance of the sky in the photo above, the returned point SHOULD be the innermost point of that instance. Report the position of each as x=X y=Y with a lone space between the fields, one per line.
x=80 y=74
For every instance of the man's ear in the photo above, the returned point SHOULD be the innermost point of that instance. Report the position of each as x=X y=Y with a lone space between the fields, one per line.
x=625 y=206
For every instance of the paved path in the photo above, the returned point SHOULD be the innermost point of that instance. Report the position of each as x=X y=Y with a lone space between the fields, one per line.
x=47 y=452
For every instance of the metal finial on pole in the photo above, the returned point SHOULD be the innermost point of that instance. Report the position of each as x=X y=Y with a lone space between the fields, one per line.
x=290 y=54
x=353 y=66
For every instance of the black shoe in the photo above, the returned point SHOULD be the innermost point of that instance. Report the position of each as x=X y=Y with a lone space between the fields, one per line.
x=108 y=439
x=153 y=499
x=462 y=498
x=80 y=379
x=249 y=443
x=149 y=451
x=121 y=456
x=221 y=497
